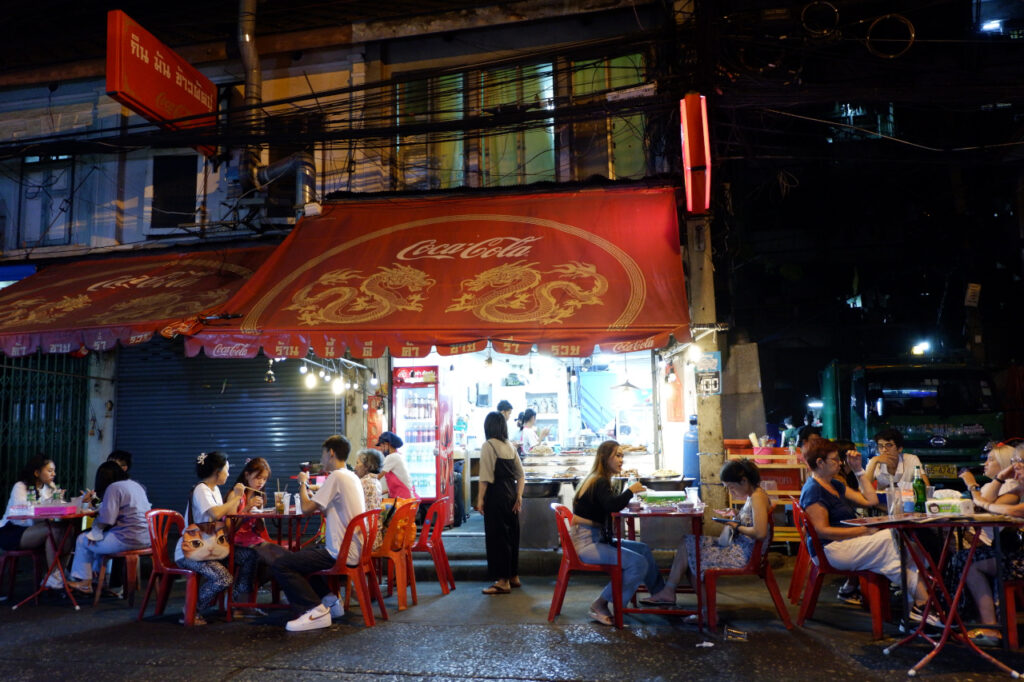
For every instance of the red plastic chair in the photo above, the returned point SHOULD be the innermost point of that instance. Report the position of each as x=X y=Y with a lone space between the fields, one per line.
x=395 y=552
x=9 y=562
x=430 y=541
x=131 y=573
x=874 y=587
x=160 y=522
x=803 y=559
x=1013 y=590
x=572 y=562
x=758 y=565
x=361 y=576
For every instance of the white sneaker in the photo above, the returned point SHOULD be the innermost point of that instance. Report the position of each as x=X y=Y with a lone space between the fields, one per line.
x=316 y=618
x=54 y=581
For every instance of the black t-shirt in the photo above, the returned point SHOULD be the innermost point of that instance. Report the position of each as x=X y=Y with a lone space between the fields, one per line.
x=598 y=503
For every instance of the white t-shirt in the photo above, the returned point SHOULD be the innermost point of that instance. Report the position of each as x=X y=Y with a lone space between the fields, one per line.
x=904 y=471
x=341 y=498
x=395 y=464
x=19 y=495
x=203 y=498
x=530 y=438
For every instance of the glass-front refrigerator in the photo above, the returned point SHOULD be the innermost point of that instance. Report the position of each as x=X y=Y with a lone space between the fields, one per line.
x=422 y=414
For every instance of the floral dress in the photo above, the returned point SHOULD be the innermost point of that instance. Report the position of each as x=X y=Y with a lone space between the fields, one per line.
x=734 y=555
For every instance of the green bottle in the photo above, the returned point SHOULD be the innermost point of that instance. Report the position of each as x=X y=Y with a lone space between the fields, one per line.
x=920 y=492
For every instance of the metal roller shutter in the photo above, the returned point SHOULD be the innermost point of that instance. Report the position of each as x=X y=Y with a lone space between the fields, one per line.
x=171 y=408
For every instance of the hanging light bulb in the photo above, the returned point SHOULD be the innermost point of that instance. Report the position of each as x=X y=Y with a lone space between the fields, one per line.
x=321 y=374
x=303 y=368
x=328 y=378
x=374 y=380
x=310 y=380
x=338 y=386
x=366 y=406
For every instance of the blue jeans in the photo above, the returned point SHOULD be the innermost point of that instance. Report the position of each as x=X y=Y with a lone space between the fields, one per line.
x=88 y=554
x=637 y=561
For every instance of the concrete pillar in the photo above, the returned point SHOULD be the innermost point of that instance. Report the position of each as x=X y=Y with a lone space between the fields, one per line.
x=701 y=290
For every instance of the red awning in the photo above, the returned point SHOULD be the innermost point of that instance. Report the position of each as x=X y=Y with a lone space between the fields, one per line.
x=99 y=303
x=564 y=271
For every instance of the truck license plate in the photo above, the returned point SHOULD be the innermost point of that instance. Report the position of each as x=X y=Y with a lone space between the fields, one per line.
x=937 y=471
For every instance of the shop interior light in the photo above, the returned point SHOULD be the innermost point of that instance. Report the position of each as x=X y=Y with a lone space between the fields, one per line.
x=310 y=380
x=626 y=385
x=693 y=353
x=921 y=348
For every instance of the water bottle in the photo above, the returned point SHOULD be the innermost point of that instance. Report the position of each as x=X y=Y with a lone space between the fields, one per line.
x=691 y=458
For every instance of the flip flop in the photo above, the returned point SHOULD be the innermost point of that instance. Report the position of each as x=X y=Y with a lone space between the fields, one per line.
x=650 y=601
x=495 y=589
x=981 y=638
x=515 y=583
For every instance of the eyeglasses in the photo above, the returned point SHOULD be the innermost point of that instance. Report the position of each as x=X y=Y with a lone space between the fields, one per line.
x=1016 y=460
x=886 y=446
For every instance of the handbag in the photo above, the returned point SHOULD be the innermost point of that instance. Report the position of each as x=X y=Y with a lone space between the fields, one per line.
x=207 y=541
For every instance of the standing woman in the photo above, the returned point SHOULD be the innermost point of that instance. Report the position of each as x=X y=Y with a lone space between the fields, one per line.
x=205 y=505
x=250 y=535
x=35 y=484
x=591 y=532
x=500 y=499
x=120 y=524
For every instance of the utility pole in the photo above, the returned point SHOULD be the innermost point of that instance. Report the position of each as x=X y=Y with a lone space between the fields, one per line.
x=701 y=288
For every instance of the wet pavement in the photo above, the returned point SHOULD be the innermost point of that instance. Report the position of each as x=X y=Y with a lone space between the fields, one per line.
x=469 y=636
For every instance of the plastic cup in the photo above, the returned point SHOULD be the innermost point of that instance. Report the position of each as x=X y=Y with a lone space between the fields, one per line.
x=279 y=501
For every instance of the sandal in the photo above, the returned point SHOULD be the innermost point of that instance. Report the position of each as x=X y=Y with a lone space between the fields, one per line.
x=654 y=601
x=496 y=589
x=198 y=620
x=602 y=618
x=515 y=583
x=83 y=586
x=982 y=638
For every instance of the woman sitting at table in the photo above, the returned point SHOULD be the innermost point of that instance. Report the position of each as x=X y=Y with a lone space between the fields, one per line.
x=205 y=505
x=120 y=524
x=35 y=484
x=368 y=464
x=591 y=532
x=251 y=534
x=743 y=480
x=827 y=502
x=1001 y=495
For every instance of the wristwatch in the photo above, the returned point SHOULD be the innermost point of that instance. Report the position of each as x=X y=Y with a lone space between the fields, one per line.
x=1001 y=481
x=975 y=487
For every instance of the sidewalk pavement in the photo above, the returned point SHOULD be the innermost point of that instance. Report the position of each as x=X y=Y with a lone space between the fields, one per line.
x=469 y=636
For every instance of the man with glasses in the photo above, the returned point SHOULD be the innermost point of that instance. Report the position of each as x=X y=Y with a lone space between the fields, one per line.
x=899 y=465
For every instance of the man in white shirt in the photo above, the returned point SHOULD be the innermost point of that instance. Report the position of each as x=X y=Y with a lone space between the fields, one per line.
x=340 y=499
x=899 y=465
x=394 y=472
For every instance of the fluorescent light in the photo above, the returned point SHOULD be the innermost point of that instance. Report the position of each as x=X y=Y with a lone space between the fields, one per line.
x=815 y=404
x=993 y=26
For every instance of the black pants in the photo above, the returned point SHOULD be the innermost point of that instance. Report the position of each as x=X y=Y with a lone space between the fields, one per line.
x=290 y=570
x=501 y=536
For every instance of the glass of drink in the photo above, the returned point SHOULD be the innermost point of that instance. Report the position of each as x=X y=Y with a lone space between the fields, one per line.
x=279 y=501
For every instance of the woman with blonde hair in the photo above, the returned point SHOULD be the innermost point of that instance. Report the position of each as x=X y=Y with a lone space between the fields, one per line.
x=591 y=531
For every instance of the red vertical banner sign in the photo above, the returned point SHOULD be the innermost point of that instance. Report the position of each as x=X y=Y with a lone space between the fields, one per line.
x=693 y=124
x=155 y=82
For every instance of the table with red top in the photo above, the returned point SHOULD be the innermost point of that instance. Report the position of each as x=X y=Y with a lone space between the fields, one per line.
x=67 y=530
x=289 y=535
x=696 y=518
x=931 y=572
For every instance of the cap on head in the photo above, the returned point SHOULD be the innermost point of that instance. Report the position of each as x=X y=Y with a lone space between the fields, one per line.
x=391 y=439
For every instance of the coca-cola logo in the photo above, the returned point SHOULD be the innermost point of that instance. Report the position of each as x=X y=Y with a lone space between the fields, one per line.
x=171 y=280
x=234 y=350
x=496 y=247
x=627 y=346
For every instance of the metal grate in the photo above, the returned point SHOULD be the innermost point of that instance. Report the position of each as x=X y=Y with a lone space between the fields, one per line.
x=43 y=408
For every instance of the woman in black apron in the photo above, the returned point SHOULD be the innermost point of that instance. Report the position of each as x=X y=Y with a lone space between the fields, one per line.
x=500 y=499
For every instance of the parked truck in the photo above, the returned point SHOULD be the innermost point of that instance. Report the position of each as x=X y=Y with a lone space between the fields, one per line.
x=947 y=412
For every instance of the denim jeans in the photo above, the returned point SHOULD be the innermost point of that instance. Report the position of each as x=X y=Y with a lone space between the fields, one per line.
x=88 y=554
x=637 y=561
